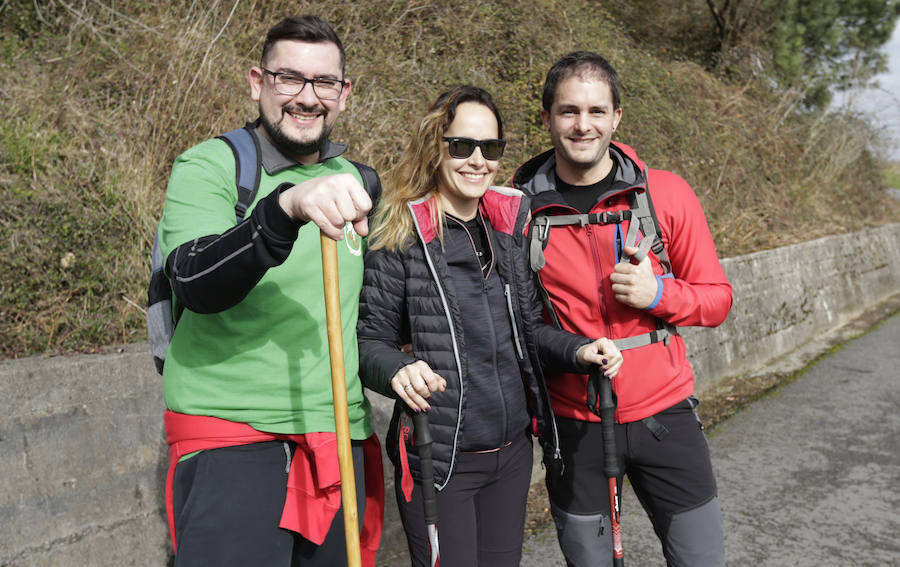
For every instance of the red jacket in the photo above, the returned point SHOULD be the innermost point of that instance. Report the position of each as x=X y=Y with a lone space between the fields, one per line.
x=580 y=259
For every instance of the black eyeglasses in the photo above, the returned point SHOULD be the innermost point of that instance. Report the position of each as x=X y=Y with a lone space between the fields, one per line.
x=461 y=148
x=289 y=84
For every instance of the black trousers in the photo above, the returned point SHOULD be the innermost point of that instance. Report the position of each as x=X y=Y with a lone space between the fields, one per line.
x=481 y=511
x=667 y=462
x=228 y=505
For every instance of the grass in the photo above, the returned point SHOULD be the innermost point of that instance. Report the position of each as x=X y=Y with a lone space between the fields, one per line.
x=892 y=175
x=98 y=99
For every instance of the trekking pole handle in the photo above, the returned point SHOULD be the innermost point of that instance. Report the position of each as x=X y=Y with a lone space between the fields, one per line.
x=607 y=425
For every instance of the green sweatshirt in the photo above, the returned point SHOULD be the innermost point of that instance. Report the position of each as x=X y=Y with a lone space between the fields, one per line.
x=264 y=361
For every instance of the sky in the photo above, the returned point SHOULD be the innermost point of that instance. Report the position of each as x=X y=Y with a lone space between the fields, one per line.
x=882 y=105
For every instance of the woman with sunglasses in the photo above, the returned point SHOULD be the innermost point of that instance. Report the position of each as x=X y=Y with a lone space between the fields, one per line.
x=450 y=325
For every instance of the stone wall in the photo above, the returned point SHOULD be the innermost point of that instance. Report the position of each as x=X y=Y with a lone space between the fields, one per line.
x=82 y=455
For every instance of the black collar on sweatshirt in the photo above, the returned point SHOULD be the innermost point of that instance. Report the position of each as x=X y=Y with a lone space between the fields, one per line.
x=274 y=161
x=584 y=197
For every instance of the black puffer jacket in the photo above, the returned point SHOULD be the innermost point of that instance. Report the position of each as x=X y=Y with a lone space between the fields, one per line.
x=408 y=298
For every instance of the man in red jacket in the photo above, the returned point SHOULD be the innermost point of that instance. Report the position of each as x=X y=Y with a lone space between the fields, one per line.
x=601 y=276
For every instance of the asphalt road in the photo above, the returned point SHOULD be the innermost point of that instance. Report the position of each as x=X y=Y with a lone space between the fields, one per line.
x=808 y=476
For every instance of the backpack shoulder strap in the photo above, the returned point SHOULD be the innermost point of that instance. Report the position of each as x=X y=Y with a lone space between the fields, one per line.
x=541 y=224
x=247 y=169
x=659 y=247
x=642 y=209
x=247 y=163
x=371 y=182
x=161 y=317
x=643 y=217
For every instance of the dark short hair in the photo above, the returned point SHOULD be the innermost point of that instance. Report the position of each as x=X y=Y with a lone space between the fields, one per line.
x=311 y=29
x=582 y=63
x=448 y=102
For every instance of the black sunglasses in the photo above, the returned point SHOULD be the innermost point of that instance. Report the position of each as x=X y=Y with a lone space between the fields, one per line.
x=461 y=148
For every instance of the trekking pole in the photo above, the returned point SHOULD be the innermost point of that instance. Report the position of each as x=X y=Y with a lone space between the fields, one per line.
x=610 y=463
x=429 y=494
x=339 y=390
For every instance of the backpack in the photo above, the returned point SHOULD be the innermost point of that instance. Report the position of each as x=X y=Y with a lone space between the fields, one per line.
x=640 y=209
x=161 y=318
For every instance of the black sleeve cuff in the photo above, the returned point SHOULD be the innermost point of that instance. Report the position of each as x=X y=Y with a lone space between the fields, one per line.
x=273 y=220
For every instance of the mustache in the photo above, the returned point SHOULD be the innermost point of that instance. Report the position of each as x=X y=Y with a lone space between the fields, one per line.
x=306 y=109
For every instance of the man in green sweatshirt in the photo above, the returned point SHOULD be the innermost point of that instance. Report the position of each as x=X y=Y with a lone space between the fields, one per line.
x=247 y=379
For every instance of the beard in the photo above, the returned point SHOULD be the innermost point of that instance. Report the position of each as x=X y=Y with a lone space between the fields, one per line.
x=288 y=145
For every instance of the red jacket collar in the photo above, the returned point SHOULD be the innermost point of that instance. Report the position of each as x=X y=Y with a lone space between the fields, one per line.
x=500 y=205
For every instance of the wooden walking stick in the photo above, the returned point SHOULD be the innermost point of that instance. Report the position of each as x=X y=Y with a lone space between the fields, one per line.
x=339 y=390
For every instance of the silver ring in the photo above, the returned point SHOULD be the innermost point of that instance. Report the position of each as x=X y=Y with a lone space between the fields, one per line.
x=407 y=387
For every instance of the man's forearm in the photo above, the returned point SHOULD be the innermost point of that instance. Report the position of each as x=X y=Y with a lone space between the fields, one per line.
x=212 y=273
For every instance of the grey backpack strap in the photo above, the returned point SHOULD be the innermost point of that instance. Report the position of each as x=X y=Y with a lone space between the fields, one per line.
x=537 y=237
x=247 y=163
x=642 y=211
x=644 y=217
x=160 y=318
x=540 y=230
x=540 y=233
x=661 y=334
x=162 y=310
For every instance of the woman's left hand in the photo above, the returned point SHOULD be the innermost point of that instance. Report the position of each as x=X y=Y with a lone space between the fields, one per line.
x=602 y=352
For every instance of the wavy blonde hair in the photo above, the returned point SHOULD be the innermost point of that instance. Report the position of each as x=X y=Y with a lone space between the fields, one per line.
x=415 y=174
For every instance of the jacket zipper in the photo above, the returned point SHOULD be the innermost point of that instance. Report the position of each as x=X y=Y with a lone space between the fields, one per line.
x=542 y=383
x=595 y=254
x=453 y=340
x=493 y=329
x=512 y=319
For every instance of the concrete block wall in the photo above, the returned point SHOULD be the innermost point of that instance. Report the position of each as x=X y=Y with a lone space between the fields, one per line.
x=82 y=461
x=786 y=297
x=82 y=452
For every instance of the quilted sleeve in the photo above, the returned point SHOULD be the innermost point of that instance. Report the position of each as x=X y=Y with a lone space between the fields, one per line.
x=382 y=329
